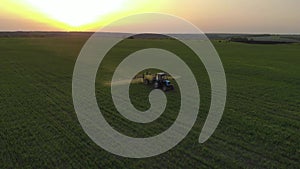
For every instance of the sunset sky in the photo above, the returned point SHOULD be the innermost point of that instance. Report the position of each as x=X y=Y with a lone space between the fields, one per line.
x=211 y=16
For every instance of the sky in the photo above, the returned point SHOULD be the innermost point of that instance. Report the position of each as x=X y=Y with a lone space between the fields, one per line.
x=211 y=16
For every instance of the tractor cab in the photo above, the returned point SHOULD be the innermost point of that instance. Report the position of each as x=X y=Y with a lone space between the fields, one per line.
x=160 y=76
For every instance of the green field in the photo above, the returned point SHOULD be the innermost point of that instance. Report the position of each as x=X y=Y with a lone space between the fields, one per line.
x=39 y=127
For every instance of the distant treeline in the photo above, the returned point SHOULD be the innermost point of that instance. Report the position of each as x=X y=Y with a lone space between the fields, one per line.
x=260 y=41
x=243 y=38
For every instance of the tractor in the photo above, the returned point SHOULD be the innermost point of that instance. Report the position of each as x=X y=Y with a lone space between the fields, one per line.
x=158 y=80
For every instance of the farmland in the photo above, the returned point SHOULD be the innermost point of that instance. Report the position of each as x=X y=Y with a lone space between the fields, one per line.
x=39 y=127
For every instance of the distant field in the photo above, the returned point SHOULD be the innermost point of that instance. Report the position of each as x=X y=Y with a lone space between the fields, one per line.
x=39 y=127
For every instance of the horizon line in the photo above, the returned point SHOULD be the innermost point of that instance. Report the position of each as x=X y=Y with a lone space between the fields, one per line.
x=228 y=33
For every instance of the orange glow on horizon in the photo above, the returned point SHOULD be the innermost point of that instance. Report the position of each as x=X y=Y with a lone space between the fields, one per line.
x=211 y=16
x=88 y=15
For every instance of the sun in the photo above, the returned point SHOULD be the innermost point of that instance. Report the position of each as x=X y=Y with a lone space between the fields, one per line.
x=76 y=13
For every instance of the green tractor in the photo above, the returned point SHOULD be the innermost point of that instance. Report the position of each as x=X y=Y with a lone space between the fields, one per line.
x=159 y=81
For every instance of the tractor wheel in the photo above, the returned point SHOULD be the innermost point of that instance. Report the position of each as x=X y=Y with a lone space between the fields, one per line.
x=156 y=85
x=146 y=81
x=164 y=88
